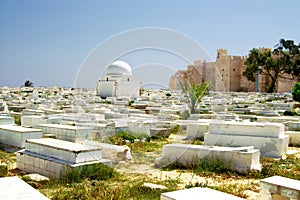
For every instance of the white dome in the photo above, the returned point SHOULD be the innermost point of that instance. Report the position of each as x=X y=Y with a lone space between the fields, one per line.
x=119 y=68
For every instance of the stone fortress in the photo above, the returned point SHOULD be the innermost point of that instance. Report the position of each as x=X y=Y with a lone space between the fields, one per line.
x=225 y=74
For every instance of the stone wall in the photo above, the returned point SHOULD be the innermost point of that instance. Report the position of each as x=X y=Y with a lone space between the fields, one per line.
x=194 y=73
x=245 y=85
x=211 y=74
x=179 y=77
x=285 y=85
x=172 y=83
x=223 y=65
x=236 y=64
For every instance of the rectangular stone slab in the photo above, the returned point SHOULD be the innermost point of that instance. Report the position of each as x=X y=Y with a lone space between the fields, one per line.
x=64 y=150
x=197 y=130
x=17 y=135
x=285 y=187
x=255 y=129
x=269 y=147
x=34 y=120
x=294 y=137
x=48 y=166
x=68 y=133
x=16 y=188
x=4 y=120
x=240 y=158
x=197 y=193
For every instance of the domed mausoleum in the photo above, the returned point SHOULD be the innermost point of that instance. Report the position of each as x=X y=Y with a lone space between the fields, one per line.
x=118 y=82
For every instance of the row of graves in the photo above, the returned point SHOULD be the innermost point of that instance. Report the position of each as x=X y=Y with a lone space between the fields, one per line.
x=60 y=129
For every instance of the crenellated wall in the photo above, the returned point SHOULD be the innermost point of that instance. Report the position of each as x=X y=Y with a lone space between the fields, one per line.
x=225 y=74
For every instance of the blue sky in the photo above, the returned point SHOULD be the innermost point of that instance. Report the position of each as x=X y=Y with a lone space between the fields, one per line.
x=46 y=41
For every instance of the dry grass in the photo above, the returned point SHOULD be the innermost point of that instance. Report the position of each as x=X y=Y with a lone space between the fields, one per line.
x=127 y=184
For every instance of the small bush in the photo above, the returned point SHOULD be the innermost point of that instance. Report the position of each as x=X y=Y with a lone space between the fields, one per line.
x=18 y=120
x=198 y=141
x=290 y=113
x=144 y=146
x=253 y=119
x=296 y=92
x=137 y=191
x=3 y=169
x=127 y=136
x=122 y=136
x=175 y=129
x=197 y=184
x=130 y=103
x=289 y=167
x=97 y=171
x=215 y=165
x=205 y=166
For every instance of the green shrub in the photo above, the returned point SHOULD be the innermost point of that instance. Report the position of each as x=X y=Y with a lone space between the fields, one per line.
x=121 y=137
x=18 y=120
x=290 y=113
x=3 y=169
x=127 y=136
x=175 y=129
x=296 y=92
x=206 y=166
x=130 y=102
x=108 y=190
x=144 y=146
x=198 y=141
x=288 y=167
x=97 y=171
x=253 y=119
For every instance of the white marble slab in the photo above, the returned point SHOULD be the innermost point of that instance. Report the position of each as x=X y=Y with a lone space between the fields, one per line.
x=13 y=188
x=198 y=193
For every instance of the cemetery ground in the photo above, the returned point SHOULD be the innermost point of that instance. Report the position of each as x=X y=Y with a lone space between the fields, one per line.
x=126 y=180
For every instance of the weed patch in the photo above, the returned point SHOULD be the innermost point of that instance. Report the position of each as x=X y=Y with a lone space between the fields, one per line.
x=288 y=167
x=120 y=188
x=145 y=146
x=122 y=137
x=205 y=166
x=92 y=172
x=175 y=129
x=138 y=144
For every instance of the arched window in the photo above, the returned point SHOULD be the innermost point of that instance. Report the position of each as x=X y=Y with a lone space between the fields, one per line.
x=128 y=79
x=106 y=78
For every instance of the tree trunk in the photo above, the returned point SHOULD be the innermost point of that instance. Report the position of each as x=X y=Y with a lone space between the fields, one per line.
x=193 y=110
x=272 y=87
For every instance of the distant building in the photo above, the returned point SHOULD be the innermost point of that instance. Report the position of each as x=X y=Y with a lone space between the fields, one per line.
x=118 y=82
x=225 y=74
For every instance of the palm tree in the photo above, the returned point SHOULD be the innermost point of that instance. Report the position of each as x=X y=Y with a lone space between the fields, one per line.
x=28 y=83
x=195 y=92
